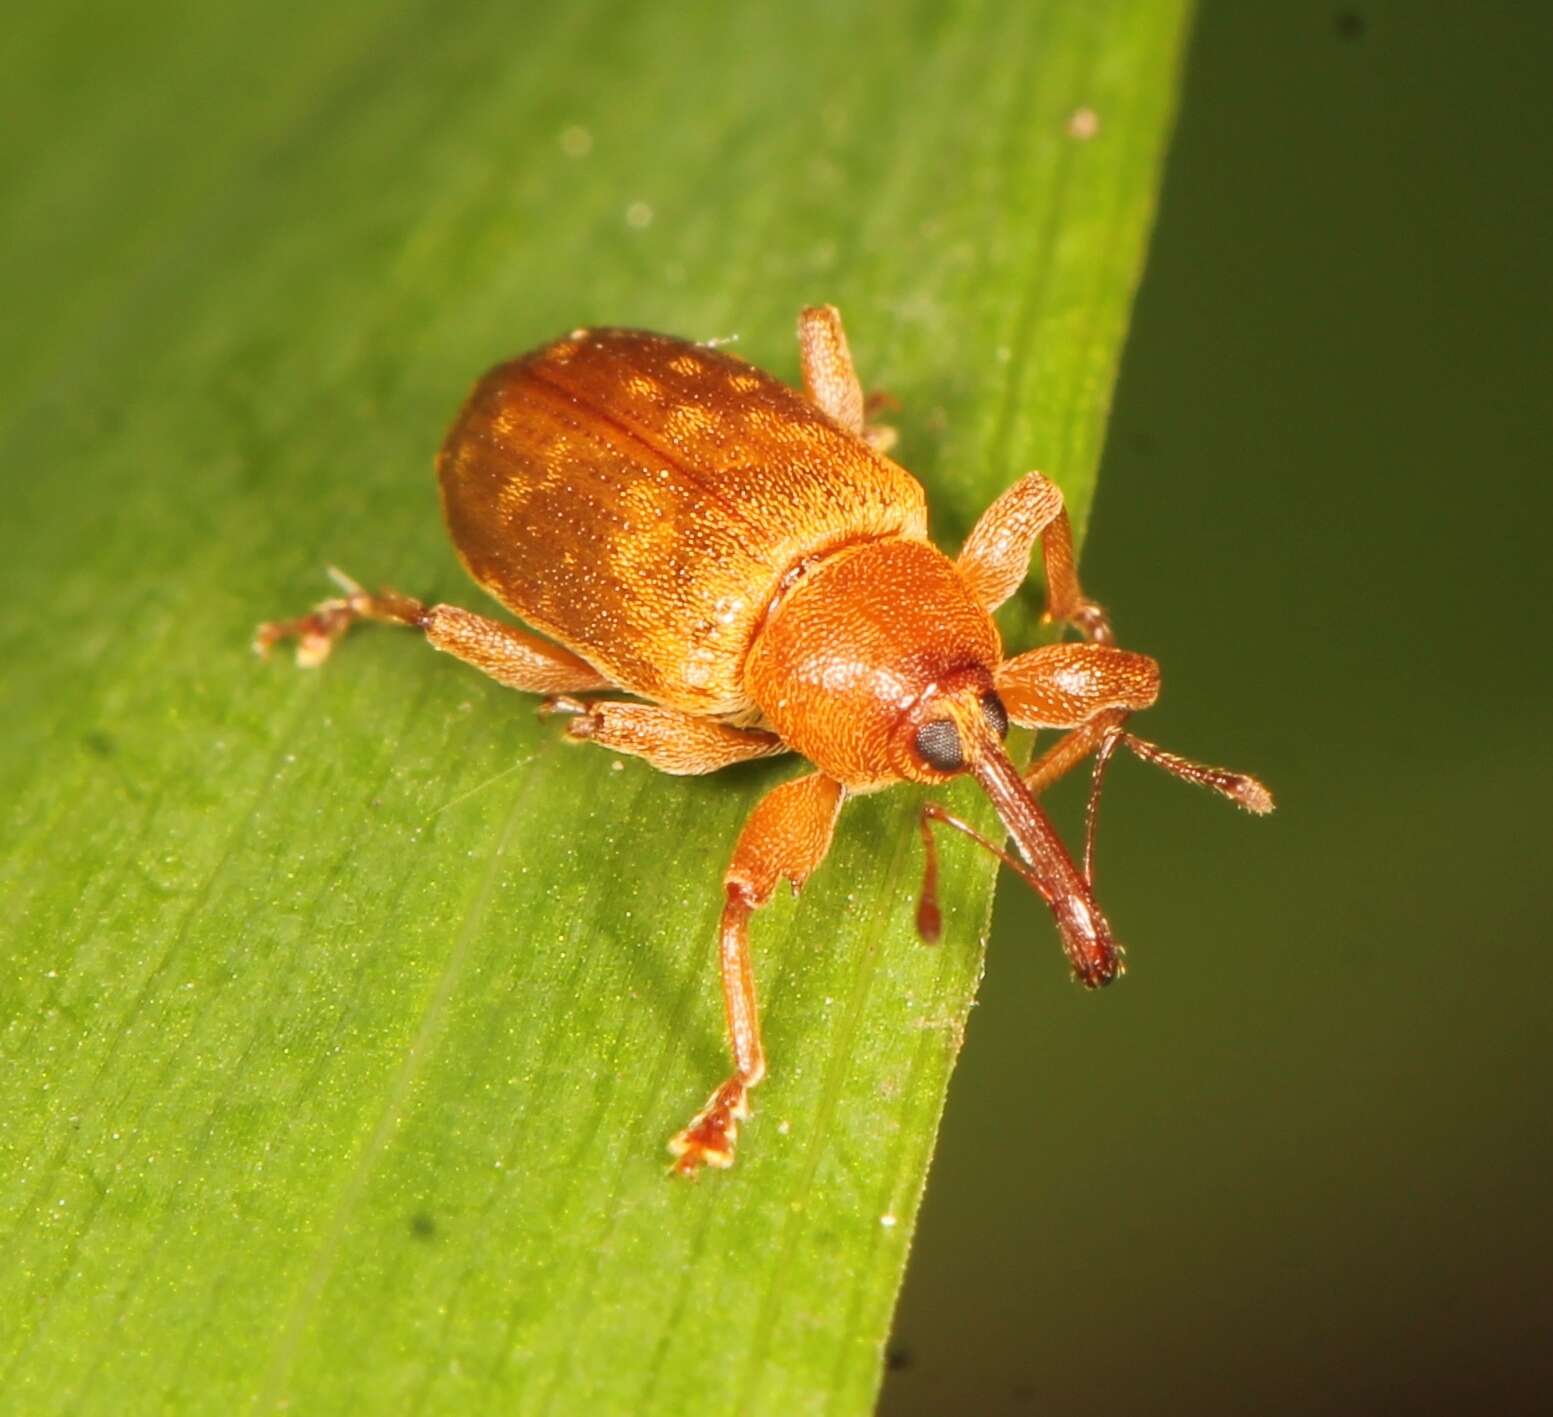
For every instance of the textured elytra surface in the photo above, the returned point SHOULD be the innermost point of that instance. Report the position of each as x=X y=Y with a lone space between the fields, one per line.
x=640 y=498
x=348 y=1012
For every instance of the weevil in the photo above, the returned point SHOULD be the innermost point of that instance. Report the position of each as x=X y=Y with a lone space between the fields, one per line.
x=744 y=560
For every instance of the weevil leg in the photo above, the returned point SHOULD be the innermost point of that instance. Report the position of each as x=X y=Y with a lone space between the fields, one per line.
x=1070 y=750
x=1102 y=735
x=996 y=556
x=1091 y=689
x=830 y=378
x=787 y=835
x=510 y=656
x=1240 y=787
x=1062 y=686
x=1099 y=736
x=672 y=741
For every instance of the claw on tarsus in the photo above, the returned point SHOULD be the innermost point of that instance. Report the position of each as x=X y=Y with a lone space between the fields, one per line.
x=710 y=1137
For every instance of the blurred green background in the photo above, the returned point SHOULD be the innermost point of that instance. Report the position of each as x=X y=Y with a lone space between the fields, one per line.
x=1298 y=1160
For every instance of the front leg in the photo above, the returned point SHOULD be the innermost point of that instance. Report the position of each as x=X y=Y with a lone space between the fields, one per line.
x=787 y=834
x=1065 y=686
x=1092 y=690
x=996 y=556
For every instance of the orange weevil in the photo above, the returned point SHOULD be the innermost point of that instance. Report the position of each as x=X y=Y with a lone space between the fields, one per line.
x=747 y=563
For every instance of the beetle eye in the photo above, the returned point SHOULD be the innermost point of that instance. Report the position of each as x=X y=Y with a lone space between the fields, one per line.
x=938 y=741
x=997 y=715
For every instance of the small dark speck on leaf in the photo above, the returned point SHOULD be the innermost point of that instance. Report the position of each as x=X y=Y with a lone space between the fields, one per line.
x=898 y=1359
x=422 y=1226
x=98 y=744
x=1349 y=24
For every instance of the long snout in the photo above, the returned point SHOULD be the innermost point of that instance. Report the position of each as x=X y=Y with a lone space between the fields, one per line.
x=1095 y=956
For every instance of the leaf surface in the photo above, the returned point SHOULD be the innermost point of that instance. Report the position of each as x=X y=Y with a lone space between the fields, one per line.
x=347 y=1012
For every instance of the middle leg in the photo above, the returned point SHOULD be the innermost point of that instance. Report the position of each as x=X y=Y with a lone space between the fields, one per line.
x=671 y=740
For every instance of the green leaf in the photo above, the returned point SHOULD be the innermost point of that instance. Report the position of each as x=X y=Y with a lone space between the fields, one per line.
x=346 y=1013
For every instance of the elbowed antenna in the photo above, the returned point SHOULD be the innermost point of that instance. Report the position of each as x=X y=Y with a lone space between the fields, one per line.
x=1095 y=956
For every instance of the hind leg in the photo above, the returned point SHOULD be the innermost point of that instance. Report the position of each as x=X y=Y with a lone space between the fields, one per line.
x=510 y=656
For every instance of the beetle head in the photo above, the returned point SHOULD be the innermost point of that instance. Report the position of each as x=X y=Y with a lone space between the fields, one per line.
x=948 y=727
x=959 y=726
x=873 y=643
